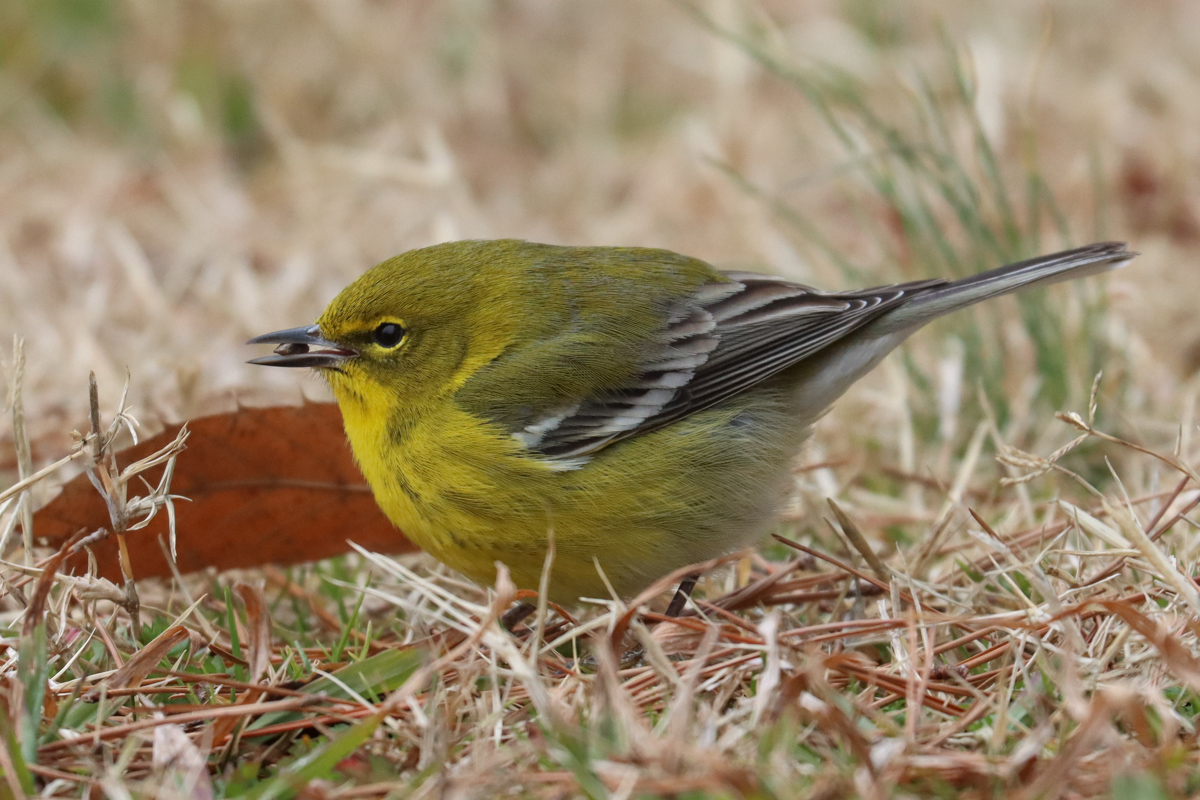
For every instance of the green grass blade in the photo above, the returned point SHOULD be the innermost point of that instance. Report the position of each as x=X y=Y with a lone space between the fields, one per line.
x=381 y=673
x=319 y=763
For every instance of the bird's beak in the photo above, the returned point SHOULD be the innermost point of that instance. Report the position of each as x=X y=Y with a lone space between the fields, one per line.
x=302 y=347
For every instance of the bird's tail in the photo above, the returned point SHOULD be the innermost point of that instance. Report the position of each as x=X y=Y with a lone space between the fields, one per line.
x=1041 y=271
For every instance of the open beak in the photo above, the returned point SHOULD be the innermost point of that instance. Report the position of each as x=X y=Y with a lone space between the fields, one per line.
x=302 y=347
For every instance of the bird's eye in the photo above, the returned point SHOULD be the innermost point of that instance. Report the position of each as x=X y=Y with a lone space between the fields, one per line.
x=389 y=334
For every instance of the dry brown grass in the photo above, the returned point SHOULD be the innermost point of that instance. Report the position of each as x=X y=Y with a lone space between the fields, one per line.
x=178 y=177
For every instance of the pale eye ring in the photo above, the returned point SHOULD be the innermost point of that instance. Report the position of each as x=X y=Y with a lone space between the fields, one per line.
x=389 y=334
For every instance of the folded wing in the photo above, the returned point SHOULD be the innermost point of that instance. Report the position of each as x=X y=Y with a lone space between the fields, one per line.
x=727 y=338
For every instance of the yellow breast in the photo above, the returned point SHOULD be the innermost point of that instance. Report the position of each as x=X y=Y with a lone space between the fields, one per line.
x=458 y=488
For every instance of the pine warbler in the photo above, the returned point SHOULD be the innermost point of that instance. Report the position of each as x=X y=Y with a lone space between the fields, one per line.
x=642 y=406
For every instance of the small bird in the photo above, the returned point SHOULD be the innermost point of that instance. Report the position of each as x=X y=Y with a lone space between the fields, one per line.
x=641 y=407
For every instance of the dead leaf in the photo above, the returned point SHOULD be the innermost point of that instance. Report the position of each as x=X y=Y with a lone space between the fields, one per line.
x=264 y=486
x=258 y=630
x=258 y=653
x=143 y=661
x=36 y=612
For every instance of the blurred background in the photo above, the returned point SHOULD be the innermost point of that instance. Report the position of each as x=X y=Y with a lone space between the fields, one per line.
x=176 y=177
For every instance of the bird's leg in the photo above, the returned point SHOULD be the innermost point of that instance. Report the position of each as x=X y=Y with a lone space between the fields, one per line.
x=681 y=594
x=516 y=615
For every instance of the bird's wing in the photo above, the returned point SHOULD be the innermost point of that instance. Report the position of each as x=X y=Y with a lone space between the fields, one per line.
x=727 y=338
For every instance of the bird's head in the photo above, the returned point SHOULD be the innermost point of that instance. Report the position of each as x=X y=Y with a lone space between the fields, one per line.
x=408 y=330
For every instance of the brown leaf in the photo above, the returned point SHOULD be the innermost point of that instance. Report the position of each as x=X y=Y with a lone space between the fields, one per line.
x=258 y=652
x=41 y=592
x=264 y=486
x=143 y=661
x=258 y=630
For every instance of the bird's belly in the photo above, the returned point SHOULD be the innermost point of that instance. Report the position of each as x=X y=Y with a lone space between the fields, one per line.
x=637 y=510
